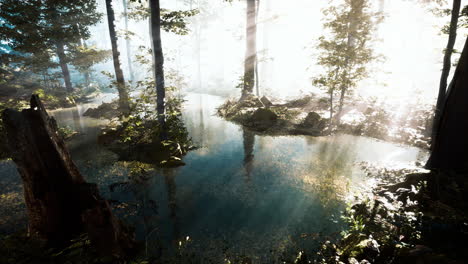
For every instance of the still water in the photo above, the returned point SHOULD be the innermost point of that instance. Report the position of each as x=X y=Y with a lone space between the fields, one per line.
x=239 y=194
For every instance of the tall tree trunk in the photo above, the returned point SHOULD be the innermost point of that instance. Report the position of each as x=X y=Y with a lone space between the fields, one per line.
x=60 y=204
x=251 y=50
x=158 y=58
x=121 y=87
x=63 y=65
x=257 y=80
x=339 y=113
x=127 y=42
x=446 y=68
x=330 y=121
x=450 y=147
x=357 y=7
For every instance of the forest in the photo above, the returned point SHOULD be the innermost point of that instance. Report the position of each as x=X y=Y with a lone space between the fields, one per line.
x=233 y=131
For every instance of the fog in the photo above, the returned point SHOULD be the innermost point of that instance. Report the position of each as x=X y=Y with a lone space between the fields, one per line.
x=211 y=56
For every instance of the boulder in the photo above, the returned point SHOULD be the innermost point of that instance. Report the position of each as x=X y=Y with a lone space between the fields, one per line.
x=313 y=121
x=266 y=102
x=263 y=118
x=105 y=110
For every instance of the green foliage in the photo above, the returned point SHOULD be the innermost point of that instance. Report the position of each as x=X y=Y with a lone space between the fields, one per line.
x=84 y=57
x=33 y=28
x=171 y=21
x=346 y=51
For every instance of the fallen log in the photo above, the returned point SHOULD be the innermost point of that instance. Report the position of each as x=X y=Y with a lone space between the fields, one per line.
x=61 y=204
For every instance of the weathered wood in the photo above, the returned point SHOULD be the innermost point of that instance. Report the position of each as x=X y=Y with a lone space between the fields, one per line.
x=60 y=204
x=450 y=145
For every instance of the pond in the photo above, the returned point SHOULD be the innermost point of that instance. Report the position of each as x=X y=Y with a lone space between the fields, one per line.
x=240 y=194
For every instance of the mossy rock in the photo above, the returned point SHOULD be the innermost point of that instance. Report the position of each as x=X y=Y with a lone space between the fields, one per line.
x=265 y=101
x=105 y=110
x=263 y=119
x=313 y=120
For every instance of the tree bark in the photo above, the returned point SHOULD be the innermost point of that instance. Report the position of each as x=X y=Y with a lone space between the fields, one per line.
x=60 y=204
x=446 y=67
x=257 y=80
x=127 y=42
x=63 y=65
x=450 y=147
x=158 y=64
x=251 y=50
x=121 y=87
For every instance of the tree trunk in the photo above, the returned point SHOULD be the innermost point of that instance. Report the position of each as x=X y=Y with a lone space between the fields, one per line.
x=446 y=68
x=450 y=147
x=60 y=204
x=257 y=80
x=158 y=64
x=127 y=42
x=251 y=50
x=330 y=122
x=121 y=88
x=357 y=7
x=339 y=113
x=63 y=65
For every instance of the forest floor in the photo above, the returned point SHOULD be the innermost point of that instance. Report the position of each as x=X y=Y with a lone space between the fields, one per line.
x=406 y=219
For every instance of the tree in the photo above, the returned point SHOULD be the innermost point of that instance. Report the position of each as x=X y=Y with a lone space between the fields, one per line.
x=251 y=49
x=39 y=30
x=121 y=87
x=61 y=205
x=158 y=59
x=346 y=51
x=446 y=66
x=450 y=148
x=127 y=41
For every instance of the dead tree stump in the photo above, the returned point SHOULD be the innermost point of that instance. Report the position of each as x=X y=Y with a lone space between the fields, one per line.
x=60 y=204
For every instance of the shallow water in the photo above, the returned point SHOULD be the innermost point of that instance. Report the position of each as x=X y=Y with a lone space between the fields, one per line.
x=239 y=193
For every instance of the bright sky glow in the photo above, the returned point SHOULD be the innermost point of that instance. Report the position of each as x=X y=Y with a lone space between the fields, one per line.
x=286 y=37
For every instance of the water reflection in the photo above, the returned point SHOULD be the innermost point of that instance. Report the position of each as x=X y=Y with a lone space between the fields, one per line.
x=169 y=179
x=248 y=139
x=239 y=194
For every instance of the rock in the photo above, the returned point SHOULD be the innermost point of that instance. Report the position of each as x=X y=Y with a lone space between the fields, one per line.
x=313 y=120
x=249 y=101
x=105 y=110
x=312 y=125
x=263 y=118
x=172 y=162
x=266 y=102
x=301 y=102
